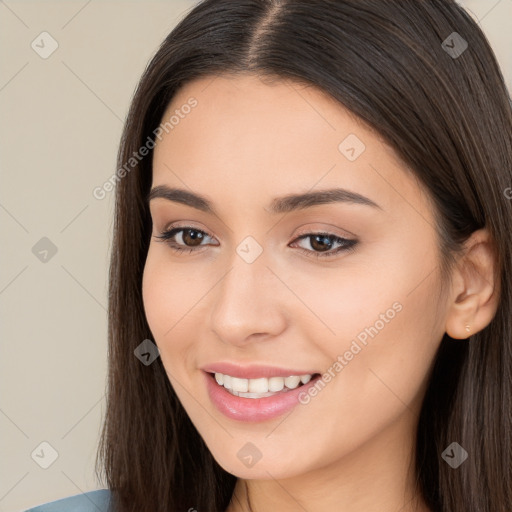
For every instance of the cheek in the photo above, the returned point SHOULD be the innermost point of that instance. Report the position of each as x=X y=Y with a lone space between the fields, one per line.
x=379 y=330
x=386 y=297
x=172 y=304
x=386 y=346
x=168 y=293
x=167 y=297
x=155 y=281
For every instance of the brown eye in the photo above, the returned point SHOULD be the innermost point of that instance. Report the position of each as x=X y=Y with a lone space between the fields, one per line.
x=188 y=239
x=192 y=237
x=321 y=244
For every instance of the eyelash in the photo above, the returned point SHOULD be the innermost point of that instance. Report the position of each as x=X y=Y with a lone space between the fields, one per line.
x=348 y=244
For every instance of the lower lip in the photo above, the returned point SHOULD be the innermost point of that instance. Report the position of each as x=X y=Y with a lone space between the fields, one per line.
x=254 y=409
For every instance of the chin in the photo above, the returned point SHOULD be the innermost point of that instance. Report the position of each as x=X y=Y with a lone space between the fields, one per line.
x=263 y=469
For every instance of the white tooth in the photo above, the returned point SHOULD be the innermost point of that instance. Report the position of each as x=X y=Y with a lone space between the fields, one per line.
x=255 y=395
x=275 y=383
x=305 y=378
x=292 y=382
x=233 y=392
x=219 y=378
x=258 y=385
x=227 y=382
x=239 y=384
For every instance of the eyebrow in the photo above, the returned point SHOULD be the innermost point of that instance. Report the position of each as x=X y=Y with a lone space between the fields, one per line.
x=283 y=204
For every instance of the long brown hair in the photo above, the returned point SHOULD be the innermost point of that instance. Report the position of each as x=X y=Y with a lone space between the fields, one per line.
x=445 y=110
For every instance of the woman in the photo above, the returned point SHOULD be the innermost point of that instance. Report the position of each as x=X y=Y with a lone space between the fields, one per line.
x=310 y=301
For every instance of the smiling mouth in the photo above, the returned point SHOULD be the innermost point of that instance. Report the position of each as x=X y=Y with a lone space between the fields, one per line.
x=261 y=387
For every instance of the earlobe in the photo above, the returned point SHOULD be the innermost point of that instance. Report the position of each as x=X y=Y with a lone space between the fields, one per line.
x=475 y=293
x=460 y=323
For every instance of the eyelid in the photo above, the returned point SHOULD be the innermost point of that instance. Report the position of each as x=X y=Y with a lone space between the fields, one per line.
x=320 y=227
x=183 y=225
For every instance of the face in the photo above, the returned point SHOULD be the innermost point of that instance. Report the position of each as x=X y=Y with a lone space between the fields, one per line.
x=342 y=287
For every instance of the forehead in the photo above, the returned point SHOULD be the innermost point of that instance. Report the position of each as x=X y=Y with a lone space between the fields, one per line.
x=252 y=138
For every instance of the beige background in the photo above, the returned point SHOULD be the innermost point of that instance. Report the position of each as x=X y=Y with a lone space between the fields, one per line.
x=61 y=120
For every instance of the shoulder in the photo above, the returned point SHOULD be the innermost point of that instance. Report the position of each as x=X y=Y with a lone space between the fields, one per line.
x=92 y=501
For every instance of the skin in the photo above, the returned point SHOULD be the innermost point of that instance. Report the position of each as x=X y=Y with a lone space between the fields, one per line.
x=247 y=142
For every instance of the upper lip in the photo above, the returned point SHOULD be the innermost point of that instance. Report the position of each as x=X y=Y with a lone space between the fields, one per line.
x=253 y=371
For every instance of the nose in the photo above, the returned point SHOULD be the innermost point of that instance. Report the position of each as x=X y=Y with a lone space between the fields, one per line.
x=248 y=304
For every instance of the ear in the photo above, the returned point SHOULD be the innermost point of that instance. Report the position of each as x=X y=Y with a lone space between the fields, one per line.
x=475 y=292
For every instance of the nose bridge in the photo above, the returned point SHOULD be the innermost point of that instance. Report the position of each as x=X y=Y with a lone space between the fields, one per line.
x=246 y=301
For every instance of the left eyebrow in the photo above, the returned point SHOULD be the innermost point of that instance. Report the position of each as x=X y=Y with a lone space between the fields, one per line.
x=309 y=199
x=283 y=204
